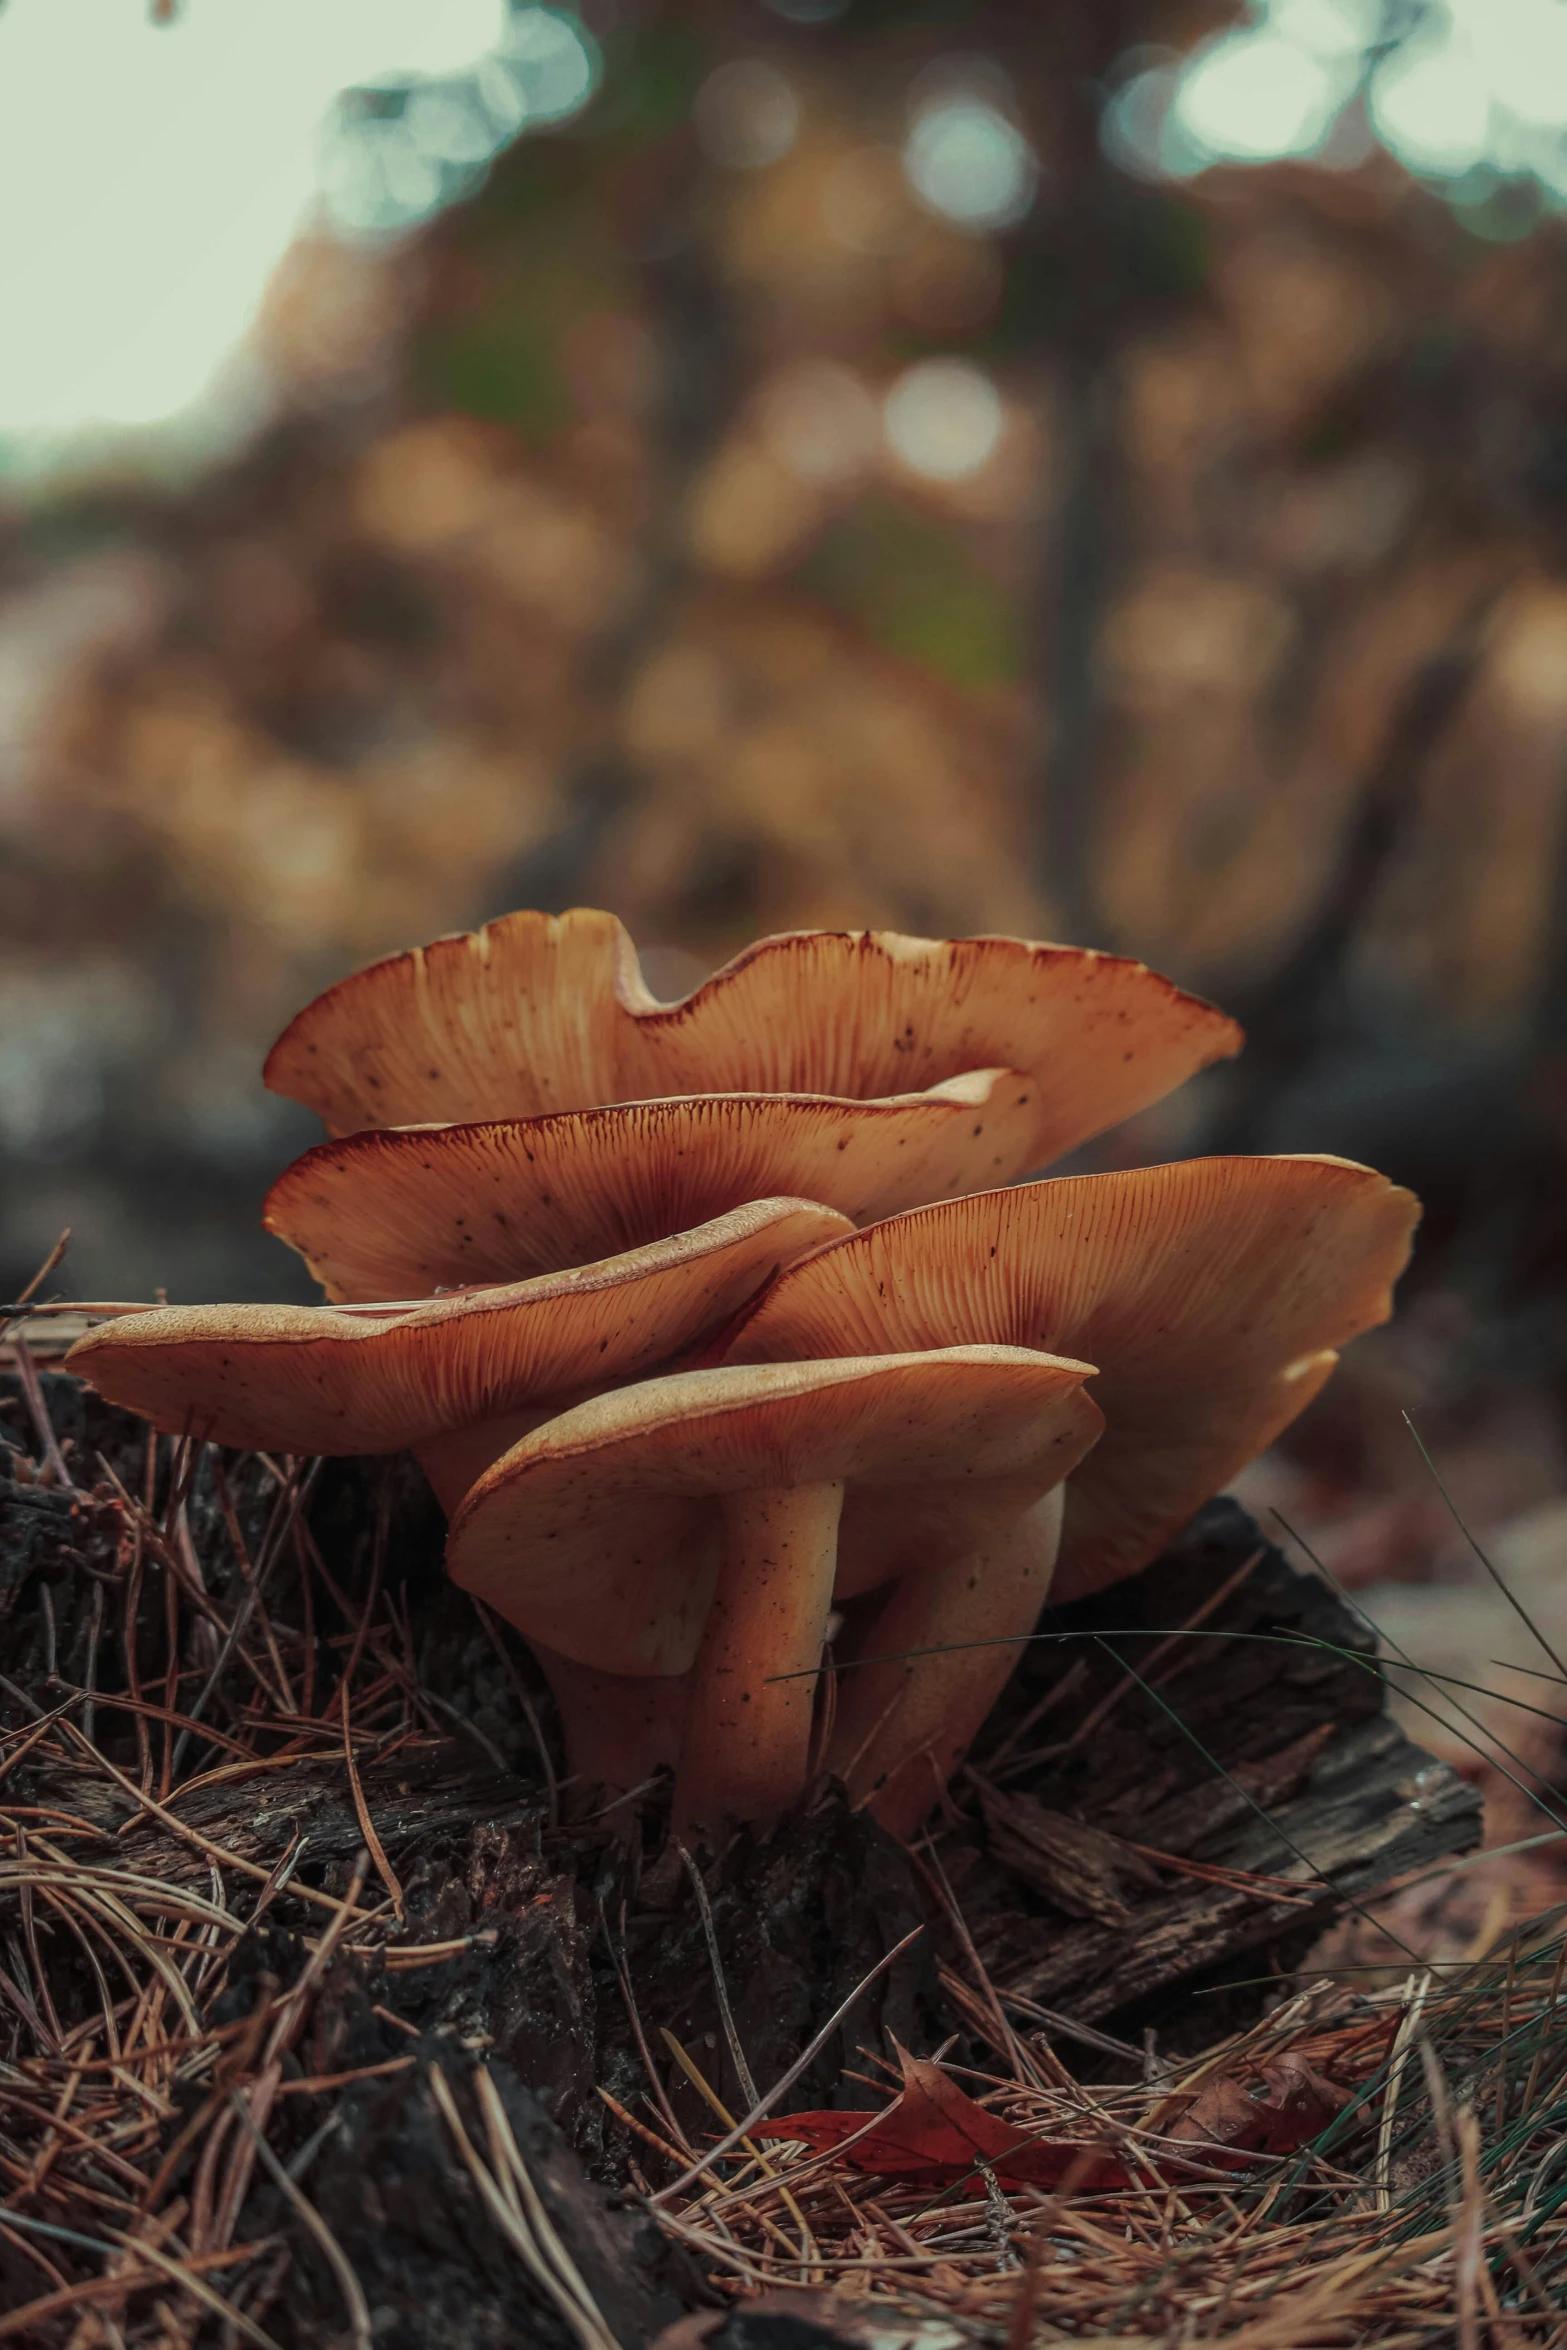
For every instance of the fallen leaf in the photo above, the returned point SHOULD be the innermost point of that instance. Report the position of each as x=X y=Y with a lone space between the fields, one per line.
x=934 y=2131
x=1222 y=2114
x=1296 y=2106
x=1301 y=2103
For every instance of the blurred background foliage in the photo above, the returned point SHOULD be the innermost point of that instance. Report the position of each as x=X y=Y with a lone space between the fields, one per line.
x=1095 y=470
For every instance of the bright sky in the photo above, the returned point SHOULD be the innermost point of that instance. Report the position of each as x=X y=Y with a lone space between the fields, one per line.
x=151 y=176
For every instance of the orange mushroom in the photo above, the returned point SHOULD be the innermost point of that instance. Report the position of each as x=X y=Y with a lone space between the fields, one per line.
x=703 y=1525
x=1212 y=1294
x=401 y=1210
x=456 y=1380
x=537 y=1013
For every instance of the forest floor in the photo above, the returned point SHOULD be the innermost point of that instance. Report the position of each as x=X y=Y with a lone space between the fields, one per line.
x=330 y=2012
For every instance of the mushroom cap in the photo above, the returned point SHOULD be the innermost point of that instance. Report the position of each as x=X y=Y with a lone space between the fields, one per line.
x=318 y=1379
x=600 y=1534
x=541 y=1012
x=510 y=1021
x=401 y=1211
x=1212 y=1294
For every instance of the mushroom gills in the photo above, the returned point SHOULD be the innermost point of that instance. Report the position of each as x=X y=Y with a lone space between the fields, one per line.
x=420 y=1208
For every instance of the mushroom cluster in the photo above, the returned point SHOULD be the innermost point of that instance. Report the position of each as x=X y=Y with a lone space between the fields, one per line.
x=724 y=1325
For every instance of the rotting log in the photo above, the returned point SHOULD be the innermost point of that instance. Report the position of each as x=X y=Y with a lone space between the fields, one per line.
x=1256 y=1746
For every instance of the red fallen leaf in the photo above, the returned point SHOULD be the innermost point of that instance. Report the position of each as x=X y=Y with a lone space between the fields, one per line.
x=1298 y=2103
x=1222 y=2114
x=935 y=2131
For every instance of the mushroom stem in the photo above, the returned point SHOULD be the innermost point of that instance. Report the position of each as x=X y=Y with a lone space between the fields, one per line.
x=903 y=1727
x=618 y=1729
x=748 y=1734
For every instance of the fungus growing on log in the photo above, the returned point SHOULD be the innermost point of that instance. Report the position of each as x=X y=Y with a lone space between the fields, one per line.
x=1213 y=1296
x=704 y=1524
x=538 y=1013
x=456 y=1380
x=396 y=1211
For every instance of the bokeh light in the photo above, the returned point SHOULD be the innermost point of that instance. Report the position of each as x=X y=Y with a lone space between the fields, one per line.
x=1431 y=106
x=969 y=161
x=395 y=149
x=1256 y=94
x=1452 y=88
x=943 y=419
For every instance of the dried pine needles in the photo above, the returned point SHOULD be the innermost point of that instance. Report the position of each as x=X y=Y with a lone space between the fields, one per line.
x=1431 y=2206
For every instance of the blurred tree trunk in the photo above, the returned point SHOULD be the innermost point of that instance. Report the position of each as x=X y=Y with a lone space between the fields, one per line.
x=1090 y=296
